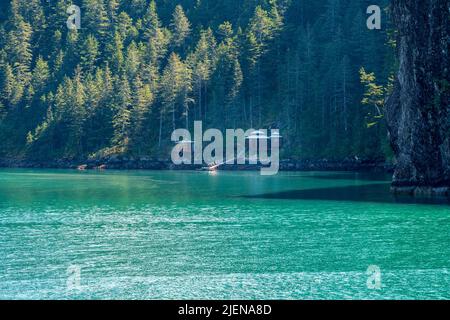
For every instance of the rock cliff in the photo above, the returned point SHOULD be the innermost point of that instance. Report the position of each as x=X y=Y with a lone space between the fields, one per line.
x=418 y=109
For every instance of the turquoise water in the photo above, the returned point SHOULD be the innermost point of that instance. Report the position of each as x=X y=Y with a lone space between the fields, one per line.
x=231 y=235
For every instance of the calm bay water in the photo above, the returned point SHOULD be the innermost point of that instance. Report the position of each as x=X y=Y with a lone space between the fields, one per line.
x=231 y=235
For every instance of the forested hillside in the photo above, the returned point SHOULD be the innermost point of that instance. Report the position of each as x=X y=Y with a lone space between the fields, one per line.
x=138 y=69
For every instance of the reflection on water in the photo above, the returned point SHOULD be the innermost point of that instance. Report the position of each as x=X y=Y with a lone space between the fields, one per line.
x=358 y=176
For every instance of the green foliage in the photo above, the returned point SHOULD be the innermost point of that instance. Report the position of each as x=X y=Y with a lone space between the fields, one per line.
x=181 y=27
x=122 y=104
x=89 y=54
x=374 y=96
x=2 y=111
x=138 y=69
x=175 y=87
x=41 y=74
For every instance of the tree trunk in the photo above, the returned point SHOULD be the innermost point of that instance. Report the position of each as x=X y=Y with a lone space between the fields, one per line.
x=160 y=128
x=418 y=109
x=200 y=99
x=173 y=117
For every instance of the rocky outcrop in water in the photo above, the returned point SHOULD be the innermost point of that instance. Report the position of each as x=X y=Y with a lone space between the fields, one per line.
x=418 y=109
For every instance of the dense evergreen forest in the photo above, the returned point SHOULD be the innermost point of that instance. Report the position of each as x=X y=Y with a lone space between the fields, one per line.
x=138 y=69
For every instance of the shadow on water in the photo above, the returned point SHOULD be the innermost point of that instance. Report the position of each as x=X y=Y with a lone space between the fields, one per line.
x=363 y=176
x=379 y=192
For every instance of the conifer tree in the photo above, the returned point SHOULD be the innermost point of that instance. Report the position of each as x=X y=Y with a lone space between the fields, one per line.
x=202 y=63
x=122 y=118
x=175 y=86
x=8 y=84
x=95 y=18
x=89 y=54
x=181 y=27
x=151 y=23
x=41 y=74
x=132 y=60
x=142 y=99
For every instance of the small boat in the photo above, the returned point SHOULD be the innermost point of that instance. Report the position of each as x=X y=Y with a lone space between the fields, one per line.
x=210 y=168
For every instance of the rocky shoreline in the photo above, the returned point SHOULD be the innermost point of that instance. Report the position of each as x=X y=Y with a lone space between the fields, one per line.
x=146 y=163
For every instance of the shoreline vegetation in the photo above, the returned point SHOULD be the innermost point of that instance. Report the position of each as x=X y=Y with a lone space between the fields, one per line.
x=147 y=163
x=138 y=70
